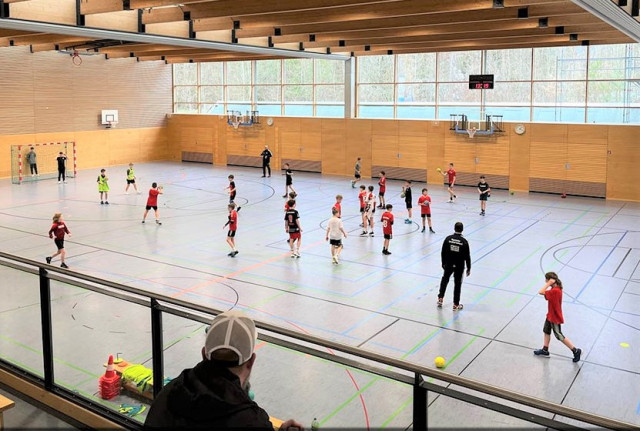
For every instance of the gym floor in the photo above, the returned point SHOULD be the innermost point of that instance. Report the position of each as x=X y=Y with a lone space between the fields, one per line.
x=382 y=303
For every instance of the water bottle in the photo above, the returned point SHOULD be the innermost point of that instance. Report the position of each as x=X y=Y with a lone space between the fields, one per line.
x=315 y=425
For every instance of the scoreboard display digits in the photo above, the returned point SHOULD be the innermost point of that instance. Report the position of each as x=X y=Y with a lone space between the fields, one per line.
x=480 y=82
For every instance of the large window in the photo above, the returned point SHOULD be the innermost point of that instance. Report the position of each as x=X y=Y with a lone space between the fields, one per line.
x=576 y=84
x=296 y=87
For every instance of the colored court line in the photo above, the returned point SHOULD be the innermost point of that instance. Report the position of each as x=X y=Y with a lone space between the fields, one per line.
x=594 y=273
x=397 y=412
x=638 y=409
x=572 y=222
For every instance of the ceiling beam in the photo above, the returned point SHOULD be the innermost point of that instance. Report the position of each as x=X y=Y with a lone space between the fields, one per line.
x=95 y=33
x=291 y=26
x=165 y=14
x=88 y=7
x=504 y=25
x=483 y=35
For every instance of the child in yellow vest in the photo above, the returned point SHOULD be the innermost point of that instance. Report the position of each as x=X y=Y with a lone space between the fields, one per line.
x=103 y=187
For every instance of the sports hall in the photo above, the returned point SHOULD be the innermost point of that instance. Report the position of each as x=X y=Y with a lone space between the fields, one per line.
x=539 y=96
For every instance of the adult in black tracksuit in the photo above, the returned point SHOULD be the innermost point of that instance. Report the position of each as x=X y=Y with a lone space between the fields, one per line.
x=266 y=161
x=455 y=253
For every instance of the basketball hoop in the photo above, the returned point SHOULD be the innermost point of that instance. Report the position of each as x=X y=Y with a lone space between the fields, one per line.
x=235 y=123
x=111 y=125
x=75 y=58
x=472 y=132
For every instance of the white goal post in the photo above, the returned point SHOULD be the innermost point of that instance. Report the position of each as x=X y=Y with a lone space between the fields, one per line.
x=46 y=161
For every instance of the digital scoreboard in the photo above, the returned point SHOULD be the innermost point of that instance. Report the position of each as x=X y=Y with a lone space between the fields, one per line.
x=480 y=82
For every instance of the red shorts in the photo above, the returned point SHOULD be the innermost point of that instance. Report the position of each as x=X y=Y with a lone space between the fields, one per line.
x=294 y=235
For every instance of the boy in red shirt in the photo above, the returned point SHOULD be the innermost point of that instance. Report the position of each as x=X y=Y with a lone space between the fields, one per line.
x=58 y=228
x=552 y=291
x=232 y=222
x=387 y=228
x=338 y=205
x=362 y=197
x=383 y=188
x=152 y=202
x=424 y=202
x=451 y=174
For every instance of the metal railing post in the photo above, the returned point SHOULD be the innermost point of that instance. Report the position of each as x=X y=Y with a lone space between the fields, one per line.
x=156 y=347
x=47 y=330
x=419 y=404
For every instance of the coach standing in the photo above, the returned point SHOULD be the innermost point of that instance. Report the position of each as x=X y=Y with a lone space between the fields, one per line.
x=455 y=253
x=266 y=161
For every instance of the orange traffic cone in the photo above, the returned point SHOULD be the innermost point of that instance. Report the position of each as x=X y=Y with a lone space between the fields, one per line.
x=110 y=382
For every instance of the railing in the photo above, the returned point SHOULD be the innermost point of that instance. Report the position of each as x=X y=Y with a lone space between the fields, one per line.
x=403 y=371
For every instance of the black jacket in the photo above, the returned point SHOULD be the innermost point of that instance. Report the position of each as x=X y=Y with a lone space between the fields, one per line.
x=266 y=156
x=206 y=396
x=455 y=251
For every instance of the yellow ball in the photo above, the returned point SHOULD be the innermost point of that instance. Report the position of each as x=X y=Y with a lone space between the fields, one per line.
x=438 y=169
x=440 y=362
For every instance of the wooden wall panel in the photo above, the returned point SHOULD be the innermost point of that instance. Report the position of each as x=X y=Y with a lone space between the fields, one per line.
x=538 y=158
x=126 y=20
x=548 y=160
x=519 y=160
x=622 y=164
x=358 y=135
x=59 y=11
x=46 y=93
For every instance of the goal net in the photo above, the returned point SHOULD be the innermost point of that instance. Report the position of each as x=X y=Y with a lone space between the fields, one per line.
x=46 y=161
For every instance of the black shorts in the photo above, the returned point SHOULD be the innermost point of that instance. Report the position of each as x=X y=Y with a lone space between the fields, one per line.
x=232 y=197
x=362 y=210
x=381 y=194
x=131 y=181
x=357 y=176
x=289 y=182
x=335 y=242
x=148 y=207
x=483 y=197
x=59 y=243
x=231 y=233
x=425 y=215
x=557 y=330
x=388 y=236
x=448 y=184
x=408 y=205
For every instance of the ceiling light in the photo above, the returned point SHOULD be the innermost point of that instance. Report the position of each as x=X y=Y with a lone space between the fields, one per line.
x=498 y=4
x=543 y=22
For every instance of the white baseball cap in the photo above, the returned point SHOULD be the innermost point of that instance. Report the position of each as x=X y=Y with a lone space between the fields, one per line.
x=234 y=331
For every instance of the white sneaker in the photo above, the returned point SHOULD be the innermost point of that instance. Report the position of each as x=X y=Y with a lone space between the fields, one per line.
x=139 y=192
x=126 y=193
x=334 y=259
x=65 y=182
x=293 y=255
x=59 y=182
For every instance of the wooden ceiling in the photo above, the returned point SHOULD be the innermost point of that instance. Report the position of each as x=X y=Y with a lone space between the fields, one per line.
x=349 y=27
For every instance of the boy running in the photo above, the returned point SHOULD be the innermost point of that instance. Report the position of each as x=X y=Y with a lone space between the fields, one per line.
x=338 y=205
x=424 y=202
x=58 y=229
x=335 y=232
x=356 y=174
x=362 y=197
x=232 y=222
x=231 y=188
x=152 y=202
x=382 y=183
x=131 y=180
x=103 y=187
x=286 y=204
x=293 y=228
x=387 y=228
x=451 y=174
x=552 y=291
x=406 y=191
x=289 y=180
x=484 y=191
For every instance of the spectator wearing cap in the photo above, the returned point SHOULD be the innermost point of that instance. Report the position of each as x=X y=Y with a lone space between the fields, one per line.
x=215 y=393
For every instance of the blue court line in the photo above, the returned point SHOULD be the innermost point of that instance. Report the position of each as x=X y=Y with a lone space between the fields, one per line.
x=638 y=409
x=594 y=273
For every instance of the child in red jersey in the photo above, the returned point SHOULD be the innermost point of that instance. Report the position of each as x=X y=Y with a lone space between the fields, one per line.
x=362 y=197
x=338 y=205
x=232 y=222
x=58 y=229
x=293 y=228
x=552 y=291
x=383 y=188
x=451 y=174
x=424 y=202
x=387 y=228
x=152 y=202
